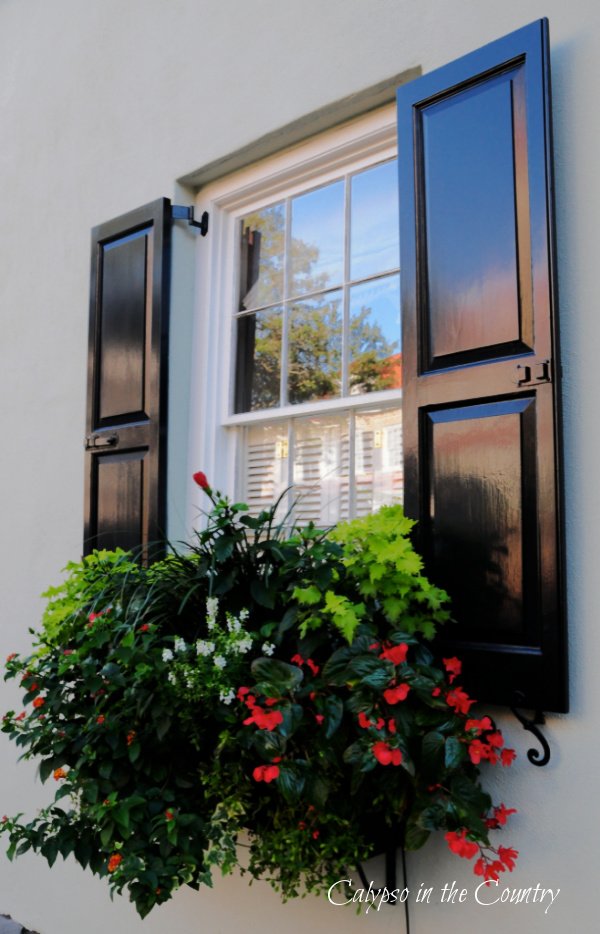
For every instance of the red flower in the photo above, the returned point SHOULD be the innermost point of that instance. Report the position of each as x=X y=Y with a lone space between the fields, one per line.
x=241 y=692
x=480 y=725
x=315 y=834
x=270 y=701
x=100 y=719
x=495 y=739
x=477 y=751
x=114 y=862
x=200 y=479
x=313 y=667
x=436 y=692
x=10 y=657
x=385 y=755
x=130 y=737
x=297 y=660
x=301 y=825
x=459 y=700
x=508 y=756
x=39 y=702
x=392 y=726
x=264 y=719
x=453 y=666
x=363 y=721
x=145 y=628
x=33 y=687
x=94 y=616
x=265 y=773
x=21 y=716
x=68 y=651
x=507 y=856
x=458 y=843
x=58 y=774
x=319 y=718
x=396 y=653
x=169 y=815
x=501 y=814
x=399 y=693
x=486 y=869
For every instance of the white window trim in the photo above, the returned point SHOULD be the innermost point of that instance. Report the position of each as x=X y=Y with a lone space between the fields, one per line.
x=212 y=444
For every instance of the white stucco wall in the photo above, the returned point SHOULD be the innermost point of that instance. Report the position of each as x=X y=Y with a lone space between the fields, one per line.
x=104 y=104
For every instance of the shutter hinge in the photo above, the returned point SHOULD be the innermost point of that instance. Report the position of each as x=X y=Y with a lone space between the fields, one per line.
x=531 y=378
x=100 y=441
x=180 y=212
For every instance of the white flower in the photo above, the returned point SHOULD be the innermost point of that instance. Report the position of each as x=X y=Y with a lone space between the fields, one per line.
x=220 y=662
x=227 y=696
x=167 y=655
x=268 y=648
x=244 y=614
x=171 y=677
x=204 y=648
x=180 y=645
x=244 y=645
x=233 y=625
x=212 y=608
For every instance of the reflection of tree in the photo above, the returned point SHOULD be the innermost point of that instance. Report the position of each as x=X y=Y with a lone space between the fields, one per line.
x=370 y=354
x=315 y=338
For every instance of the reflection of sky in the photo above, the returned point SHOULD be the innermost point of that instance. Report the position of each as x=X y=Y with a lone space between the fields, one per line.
x=374 y=221
x=382 y=296
x=318 y=221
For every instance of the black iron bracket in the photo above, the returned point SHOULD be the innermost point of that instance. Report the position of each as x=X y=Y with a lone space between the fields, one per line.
x=532 y=725
x=180 y=212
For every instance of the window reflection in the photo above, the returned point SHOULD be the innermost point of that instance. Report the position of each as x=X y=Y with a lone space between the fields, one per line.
x=375 y=358
x=258 y=360
x=317 y=244
x=315 y=348
x=374 y=245
x=262 y=257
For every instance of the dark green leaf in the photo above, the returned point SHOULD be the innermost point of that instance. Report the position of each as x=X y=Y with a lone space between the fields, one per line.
x=333 y=709
x=455 y=752
x=262 y=596
x=291 y=781
x=277 y=675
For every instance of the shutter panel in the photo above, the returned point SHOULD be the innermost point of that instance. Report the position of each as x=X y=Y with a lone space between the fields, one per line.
x=481 y=370
x=127 y=380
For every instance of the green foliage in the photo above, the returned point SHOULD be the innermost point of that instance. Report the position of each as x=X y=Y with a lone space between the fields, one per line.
x=261 y=682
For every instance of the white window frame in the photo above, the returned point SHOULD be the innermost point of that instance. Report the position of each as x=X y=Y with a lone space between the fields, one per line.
x=213 y=445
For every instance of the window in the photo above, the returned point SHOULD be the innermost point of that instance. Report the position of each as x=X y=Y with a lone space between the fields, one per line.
x=311 y=293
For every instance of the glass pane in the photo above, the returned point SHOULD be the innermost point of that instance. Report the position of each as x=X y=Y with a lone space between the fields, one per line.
x=261 y=257
x=379 y=474
x=317 y=247
x=375 y=347
x=374 y=243
x=258 y=363
x=321 y=458
x=266 y=466
x=315 y=348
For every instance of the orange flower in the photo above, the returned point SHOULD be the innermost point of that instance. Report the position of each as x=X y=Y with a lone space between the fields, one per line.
x=169 y=815
x=39 y=702
x=10 y=657
x=114 y=862
x=58 y=774
x=130 y=737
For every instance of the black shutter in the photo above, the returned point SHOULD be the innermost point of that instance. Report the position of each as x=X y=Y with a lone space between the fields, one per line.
x=127 y=380
x=481 y=370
